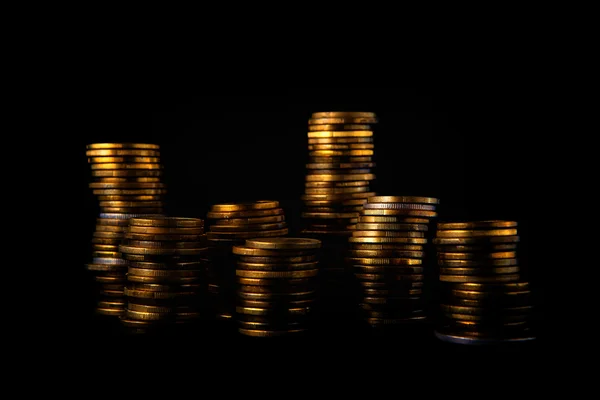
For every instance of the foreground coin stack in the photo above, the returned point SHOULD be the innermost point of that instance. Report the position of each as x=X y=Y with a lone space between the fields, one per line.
x=483 y=300
x=126 y=181
x=386 y=257
x=276 y=285
x=338 y=174
x=166 y=272
x=230 y=225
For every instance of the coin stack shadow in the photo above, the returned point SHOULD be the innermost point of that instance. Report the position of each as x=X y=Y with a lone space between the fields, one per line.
x=339 y=172
x=126 y=180
x=483 y=298
x=166 y=285
x=230 y=225
x=388 y=248
x=276 y=285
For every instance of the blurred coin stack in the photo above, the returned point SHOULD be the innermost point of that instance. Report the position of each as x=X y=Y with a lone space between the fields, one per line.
x=387 y=251
x=126 y=180
x=483 y=299
x=276 y=285
x=338 y=174
x=230 y=225
x=166 y=272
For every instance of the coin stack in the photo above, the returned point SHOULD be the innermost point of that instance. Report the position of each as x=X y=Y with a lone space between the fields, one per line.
x=339 y=172
x=126 y=180
x=483 y=298
x=230 y=225
x=386 y=258
x=276 y=285
x=166 y=271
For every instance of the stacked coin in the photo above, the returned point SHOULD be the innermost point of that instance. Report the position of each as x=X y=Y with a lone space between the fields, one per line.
x=231 y=224
x=126 y=180
x=483 y=298
x=166 y=271
x=276 y=285
x=386 y=258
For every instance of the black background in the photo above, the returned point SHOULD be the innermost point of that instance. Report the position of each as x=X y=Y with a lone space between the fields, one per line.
x=466 y=147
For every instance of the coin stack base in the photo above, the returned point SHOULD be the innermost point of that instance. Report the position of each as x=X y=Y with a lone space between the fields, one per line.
x=230 y=225
x=484 y=301
x=276 y=286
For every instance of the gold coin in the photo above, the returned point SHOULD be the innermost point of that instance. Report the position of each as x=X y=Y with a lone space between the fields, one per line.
x=275 y=296
x=284 y=243
x=105 y=267
x=129 y=198
x=283 y=290
x=130 y=179
x=342 y=120
x=339 y=171
x=162 y=279
x=166 y=229
x=96 y=146
x=104 y=160
x=105 y=247
x=168 y=237
x=384 y=261
x=166 y=244
x=107 y=242
x=282 y=267
x=339 y=127
x=390 y=277
x=257 y=205
x=165 y=288
x=389 y=234
x=106 y=254
x=399 y=206
x=478 y=250
x=126 y=192
x=404 y=240
x=248 y=251
x=481 y=240
x=456 y=233
x=266 y=311
x=278 y=259
x=339 y=160
x=331 y=153
x=484 y=310
x=162 y=251
x=168 y=265
x=330 y=203
x=102 y=174
x=306 y=273
x=334 y=197
x=112 y=222
x=275 y=303
x=250 y=221
x=146 y=294
x=111 y=166
x=116 y=312
x=288 y=284
x=344 y=146
x=126 y=185
x=499 y=319
x=404 y=199
x=109 y=279
x=158 y=316
x=108 y=235
x=471 y=256
x=247 y=235
x=392 y=220
x=394 y=321
x=479 y=279
x=329 y=215
x=247 y=228
x=336 y=191
x=390 y=300
x=492 y=287
x=343 y=114
x=340 y=140
x=244 y=214
x=387 y=269
x=387 y=247
x=173 y=222
x=395 y=285
x=157 y=309
x=469 y=294
x=342 y=177
x=131 y=210
x=387 y=253
x=405 y=212
x=337 y=184
x=479 y=271
x=342 y=167
x=501 y=262
x=133 y=204
x=391 y=226
x=122 y=152
x=391 y=292
x=336 y=134
x=476 y=225
x=269 y=333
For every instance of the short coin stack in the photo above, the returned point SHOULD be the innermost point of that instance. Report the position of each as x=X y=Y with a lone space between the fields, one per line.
x=483 y=298
x=276 y=285
x=126 y=181
x=386 y=257
x=166 y=274
x=338 y=174
x=231 y=224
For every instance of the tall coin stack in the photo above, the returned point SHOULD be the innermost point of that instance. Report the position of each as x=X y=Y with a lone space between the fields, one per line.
x=126 y=180
x=386 y=255
x=166 y=272
x=276 y=285
x=483 y=298
x=230 y=225
x=339 y=172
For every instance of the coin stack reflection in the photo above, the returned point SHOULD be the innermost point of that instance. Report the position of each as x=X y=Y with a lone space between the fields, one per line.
x=166 y=272
x=230 y=225
x=276 y=285
x=483 y=300
x=338 y=174
x=126 y=180
x=386 y=257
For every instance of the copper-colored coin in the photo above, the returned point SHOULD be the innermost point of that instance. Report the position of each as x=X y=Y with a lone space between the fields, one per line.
x=336 y=191
x=390 y=277
x=404 y=199
x=334 y=203
x=163 y=230
x=164 y=272
x=391 y=226
x=477 y=250
x=244 y=214
x=464 y=233
x=390 y=234
x=269 y=333
x=127 y=192
x=130 y=179
x=162 y=251
x=132 y=204
x=157 y=309
x=343 y=146
x=269 y=266
x=333 y=134
x=307 y=273
x=110 y=228
x=247 y=235
x=278 y=259
x=501 y=319
x=403 y=240
x=340 y=140
x=257 y=205
x=167 y=237
x=101 y=175
x=105 y=247
x=495 y=288
x=108 y=235
x=399 y=206
x=106 y=254
x=387 y=247
x=392 y=220
x=159 y=316
x=480 y=279
x=105 y=267
x=132 y=210
x=332 y=153
x=336 y=197
x=469 y=294
x=122 y=152
x=250 y=221
x=338 y=184
x=153 y=244
x=391 y=292
x=146 y=294
x=329 y=215
x=284 y=243
x=275 y=303
x=130 y=198
x=387 y=253
x=126 y=185
x=154 y=287
x=347 y=171
x=171 y=222
x=479 y=271
x=343 y=120
x=483 y=310
x=405 y=212
x=277 y=284
x=112 y=222
x=267 y=311
x=339 y=178
x=168 y=265
x=110 y=279
x=387 y=269
x=247 y=228
x=249 y=251
x=270 y=296
x=390 y=285
x=339 y=160
x=478 y=241
x=342 y=168
x=147 y=146
x=122 y=159
x=339 y=127
x=163 y=279
x=476 y=256
x=500 y=262
x=116 y=166
x=343 y=114
x=384 y=261
x=492 y=224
